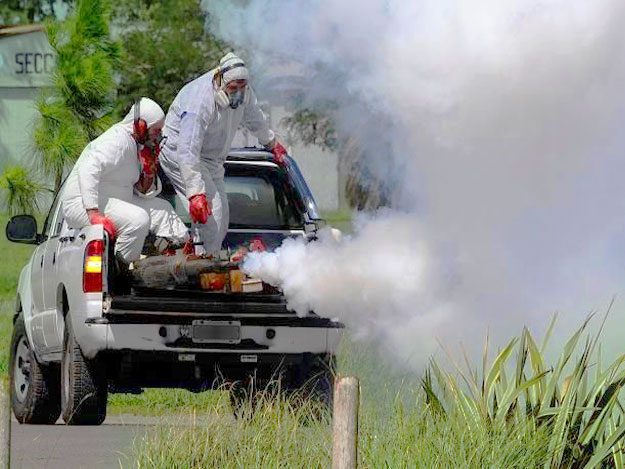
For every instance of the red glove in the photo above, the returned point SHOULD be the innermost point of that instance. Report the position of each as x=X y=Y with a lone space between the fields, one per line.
x=188 y=247
x=169 y=251
x=257 y=245
x=199 y=208
x=96 y=218
x=279 y=153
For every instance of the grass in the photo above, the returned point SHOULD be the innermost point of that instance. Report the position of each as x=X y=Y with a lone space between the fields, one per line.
x=279 y=435
x=397 y=430
x=160 y=402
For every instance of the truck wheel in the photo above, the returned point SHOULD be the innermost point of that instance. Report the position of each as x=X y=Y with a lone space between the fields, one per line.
x=318 y=384
x=322 y=387
x=83 y=390
x=243 y=399
x=35 y=388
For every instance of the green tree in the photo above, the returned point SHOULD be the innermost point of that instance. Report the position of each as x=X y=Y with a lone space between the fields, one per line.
x=23 y=193
x=13 y=12
x=79 y=105
x=165 y=44
x=313 y=127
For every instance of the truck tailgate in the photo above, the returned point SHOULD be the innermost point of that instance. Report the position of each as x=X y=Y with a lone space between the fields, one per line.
x=199 y=302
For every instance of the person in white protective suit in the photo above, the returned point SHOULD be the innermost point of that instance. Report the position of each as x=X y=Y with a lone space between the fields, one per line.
x=114 y=183
x=200 y=126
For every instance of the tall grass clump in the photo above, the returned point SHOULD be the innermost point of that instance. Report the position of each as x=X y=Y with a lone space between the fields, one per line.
x=517 y=411
x=576 y=401
x=270 y=431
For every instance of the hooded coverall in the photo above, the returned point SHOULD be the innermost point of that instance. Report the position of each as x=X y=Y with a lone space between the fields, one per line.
x=199 y=135
x=104 y=177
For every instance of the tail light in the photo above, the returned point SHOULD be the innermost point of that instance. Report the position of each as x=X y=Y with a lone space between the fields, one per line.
x=92 y=271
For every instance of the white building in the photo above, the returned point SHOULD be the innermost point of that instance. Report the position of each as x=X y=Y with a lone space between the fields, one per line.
x=26 y=63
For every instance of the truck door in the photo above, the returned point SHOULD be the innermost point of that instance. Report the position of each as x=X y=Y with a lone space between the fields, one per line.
x=50 y=277
x=36 y=285
x=39 y=278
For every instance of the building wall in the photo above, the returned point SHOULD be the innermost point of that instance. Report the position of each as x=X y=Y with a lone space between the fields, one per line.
x=17 y=112
x=26 y=63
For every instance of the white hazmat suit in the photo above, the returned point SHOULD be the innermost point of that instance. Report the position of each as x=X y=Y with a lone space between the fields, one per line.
x=104 y=177
x=199 y=136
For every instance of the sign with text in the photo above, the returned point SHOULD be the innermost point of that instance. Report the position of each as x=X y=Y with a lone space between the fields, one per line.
x=26 y=60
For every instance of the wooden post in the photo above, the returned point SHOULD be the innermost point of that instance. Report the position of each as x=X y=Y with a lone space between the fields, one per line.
x=5 y=422
x=345 y=425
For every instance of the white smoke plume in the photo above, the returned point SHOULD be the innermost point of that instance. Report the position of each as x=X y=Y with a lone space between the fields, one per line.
x=367 y=283
x=500 y=125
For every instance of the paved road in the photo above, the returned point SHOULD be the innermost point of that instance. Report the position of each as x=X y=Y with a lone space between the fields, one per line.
x=63 y=447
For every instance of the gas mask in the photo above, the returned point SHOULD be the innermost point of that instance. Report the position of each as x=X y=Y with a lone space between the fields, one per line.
x=150 y=150
x=148 y=155
x=232 y=99
x=148 y=162
x=237 y=98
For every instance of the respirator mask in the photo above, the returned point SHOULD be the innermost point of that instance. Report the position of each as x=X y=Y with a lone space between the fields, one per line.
x=232 y=96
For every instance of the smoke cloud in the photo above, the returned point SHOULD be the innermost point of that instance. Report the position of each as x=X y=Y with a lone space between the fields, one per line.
x=500 y=124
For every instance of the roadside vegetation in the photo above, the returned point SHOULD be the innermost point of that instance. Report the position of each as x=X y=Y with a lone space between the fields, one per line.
x=518 y=411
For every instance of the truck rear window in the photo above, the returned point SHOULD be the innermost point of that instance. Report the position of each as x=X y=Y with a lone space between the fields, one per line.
x=261 y=200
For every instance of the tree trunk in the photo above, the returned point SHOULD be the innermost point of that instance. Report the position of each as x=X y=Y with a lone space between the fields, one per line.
x=58 y=181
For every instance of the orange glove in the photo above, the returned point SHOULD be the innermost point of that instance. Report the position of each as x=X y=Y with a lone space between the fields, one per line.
x=96 y=218
x=199 y=208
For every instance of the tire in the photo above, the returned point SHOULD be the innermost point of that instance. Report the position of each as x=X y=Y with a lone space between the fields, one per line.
x=322 y=387
x=35 y=388
x=244 y=398
x=84 y=386
x=316 y=384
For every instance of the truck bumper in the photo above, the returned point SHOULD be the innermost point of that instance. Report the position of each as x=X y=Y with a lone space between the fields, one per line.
x=101 y=334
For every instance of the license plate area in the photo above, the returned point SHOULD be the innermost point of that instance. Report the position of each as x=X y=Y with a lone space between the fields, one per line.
x=216 y=332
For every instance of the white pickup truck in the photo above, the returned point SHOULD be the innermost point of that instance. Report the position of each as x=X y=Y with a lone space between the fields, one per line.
x=81 y=332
